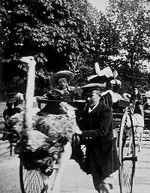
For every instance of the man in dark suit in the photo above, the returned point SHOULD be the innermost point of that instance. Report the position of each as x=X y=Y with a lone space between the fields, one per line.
x=136 y=96
x=137 y=100
x=97 y=135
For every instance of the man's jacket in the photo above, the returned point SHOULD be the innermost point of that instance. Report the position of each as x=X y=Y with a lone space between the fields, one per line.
x=97 y=128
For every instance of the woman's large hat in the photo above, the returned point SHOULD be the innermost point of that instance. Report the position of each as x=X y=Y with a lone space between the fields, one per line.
x=61 y=74
x=101 y=76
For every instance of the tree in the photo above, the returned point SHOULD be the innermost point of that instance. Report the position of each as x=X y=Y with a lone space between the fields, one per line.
x=132 y=20
x=59 y=33
x=106 y=41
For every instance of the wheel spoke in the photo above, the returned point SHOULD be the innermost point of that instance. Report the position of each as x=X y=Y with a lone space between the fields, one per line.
x=127 y=173
x=31 y=180
x=127 y=156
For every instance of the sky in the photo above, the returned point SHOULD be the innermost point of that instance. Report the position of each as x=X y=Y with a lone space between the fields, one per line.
x=99 y=4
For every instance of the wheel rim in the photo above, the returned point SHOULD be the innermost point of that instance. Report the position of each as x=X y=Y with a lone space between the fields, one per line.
x=127 y=175
x=127 y=160
x=31 y=180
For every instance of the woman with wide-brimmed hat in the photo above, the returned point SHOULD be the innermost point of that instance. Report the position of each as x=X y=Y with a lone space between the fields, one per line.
x=60 y=87
x=60 y=91
x=60 y=82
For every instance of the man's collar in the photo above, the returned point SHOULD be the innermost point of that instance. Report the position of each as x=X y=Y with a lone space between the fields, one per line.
x=90 y=109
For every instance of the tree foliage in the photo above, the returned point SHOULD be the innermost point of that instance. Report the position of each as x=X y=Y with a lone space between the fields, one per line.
x=132 y=20
x=58 y=32
x=71 y=34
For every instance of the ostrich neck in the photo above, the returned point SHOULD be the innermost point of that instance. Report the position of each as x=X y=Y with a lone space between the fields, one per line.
x=29 y=96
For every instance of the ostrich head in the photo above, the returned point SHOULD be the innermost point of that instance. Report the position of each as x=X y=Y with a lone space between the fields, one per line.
x=28 y=60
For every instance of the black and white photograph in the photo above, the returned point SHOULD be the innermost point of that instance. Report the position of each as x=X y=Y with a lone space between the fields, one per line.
x=74 y=96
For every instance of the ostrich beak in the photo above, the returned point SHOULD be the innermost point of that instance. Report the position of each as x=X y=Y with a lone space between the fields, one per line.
x=23 y=59
x=28 y=59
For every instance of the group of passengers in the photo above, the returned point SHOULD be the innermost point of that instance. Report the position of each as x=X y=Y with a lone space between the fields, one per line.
x=96 y=122
x=142 y=102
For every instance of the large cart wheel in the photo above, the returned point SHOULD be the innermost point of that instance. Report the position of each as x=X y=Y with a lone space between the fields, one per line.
x=31 y=180
x=35 y=181
x=127 y=155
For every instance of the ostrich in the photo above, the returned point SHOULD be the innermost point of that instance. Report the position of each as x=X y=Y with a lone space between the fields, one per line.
x=47 y=139
x=26 y=116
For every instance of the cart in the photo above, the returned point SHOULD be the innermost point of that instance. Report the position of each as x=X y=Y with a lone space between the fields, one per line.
x=34 y=180
x=125 y=139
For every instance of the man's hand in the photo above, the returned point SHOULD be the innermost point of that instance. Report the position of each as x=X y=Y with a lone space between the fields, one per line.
x=78 y=132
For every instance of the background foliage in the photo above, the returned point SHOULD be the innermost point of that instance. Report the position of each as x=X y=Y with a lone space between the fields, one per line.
x=71 y=34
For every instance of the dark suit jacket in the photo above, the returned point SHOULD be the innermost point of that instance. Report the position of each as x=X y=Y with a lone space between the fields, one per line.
x=136 y=97
x=97 y=125
x=97 y=134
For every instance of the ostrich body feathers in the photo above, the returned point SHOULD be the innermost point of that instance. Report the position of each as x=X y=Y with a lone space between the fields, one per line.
x=48 y=136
